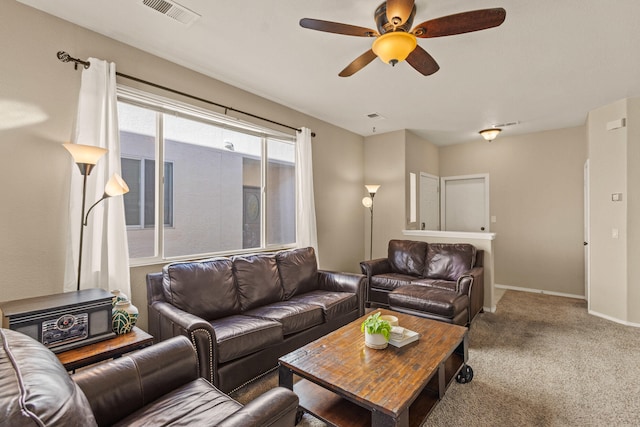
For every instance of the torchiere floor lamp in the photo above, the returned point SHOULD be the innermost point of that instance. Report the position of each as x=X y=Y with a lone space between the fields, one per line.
x=368 y=203
x=86 y=157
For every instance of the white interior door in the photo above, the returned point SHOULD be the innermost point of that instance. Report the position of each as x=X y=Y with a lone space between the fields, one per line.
x=429 y=202
x=465 y=203
x=587 y=270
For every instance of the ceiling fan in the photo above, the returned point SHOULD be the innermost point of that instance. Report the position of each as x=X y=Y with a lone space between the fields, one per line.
x=395 y=41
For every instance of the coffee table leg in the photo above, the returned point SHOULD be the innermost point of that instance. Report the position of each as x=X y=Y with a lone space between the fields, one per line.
x=285 y=377
x=378 y=419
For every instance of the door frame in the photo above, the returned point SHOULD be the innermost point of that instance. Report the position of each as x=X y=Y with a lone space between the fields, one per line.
x=437 y=180
x=587 y=236
x=443 y=198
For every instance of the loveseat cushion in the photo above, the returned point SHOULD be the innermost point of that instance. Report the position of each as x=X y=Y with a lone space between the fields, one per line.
x=37 y=394
x=429 y=300
x=258 y=280
x=205 y=288
x=240 y=335
x=333 y=304
x=390 y=281
x=447 y=285
x=407 y=256
x=298 y=271
x=295 y=316
x=194 y=404
x=448 y=261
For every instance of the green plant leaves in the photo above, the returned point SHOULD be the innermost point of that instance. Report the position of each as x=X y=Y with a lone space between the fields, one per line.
x=374 y=325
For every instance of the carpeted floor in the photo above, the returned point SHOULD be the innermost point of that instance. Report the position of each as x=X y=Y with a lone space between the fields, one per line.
x=539 y=360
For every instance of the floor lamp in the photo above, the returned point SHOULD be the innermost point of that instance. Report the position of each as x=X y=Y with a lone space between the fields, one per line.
x=368 y=203
x=86 y=157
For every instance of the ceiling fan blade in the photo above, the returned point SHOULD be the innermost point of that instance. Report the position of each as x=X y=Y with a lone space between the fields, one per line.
x=337 y=28
x=398 y=11
x=460 y=23
x=422 y=61
x=358 y=64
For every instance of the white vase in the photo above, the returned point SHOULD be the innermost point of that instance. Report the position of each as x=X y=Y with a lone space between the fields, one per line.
x=118 y=296
x=376 y=341
x=125 y=316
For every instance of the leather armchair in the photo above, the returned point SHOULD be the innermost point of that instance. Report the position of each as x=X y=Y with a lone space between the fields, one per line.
x=158 y=385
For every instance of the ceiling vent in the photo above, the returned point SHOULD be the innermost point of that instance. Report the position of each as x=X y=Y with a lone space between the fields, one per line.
x=375 y=116
x=172 y=10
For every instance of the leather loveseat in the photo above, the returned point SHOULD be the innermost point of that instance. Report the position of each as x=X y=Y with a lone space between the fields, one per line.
x=157 y=386
x=442 y=281
x=242 y=313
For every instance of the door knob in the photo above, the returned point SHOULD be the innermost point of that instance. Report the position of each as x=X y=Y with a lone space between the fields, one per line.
x=481 y=228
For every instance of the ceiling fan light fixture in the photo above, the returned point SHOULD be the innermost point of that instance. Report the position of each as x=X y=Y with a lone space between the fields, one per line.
x=394 y=47
x=490 y=134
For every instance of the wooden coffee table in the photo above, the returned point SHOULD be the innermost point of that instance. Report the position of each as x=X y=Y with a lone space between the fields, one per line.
x=344 y=383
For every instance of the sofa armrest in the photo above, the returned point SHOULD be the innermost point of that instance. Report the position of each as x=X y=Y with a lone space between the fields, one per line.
x=122 y=386
x=375 y=266
x=275 y=408
x=173 y=322
x=471 y=284
x=344 y=282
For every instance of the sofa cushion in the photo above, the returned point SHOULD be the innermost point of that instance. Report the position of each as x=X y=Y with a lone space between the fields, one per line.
x=407 y=256
x=258 y=280
x=205 y=288
x=333 y=304
x=194 y=404
x=240 y=335
x=37 y=394
x=429 y=300
x=448 y=261
x=447 y=285
x=295 y=316
x=390 y=281
x=298 y=271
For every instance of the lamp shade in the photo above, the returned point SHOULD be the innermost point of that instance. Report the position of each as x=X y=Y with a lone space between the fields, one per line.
x=85 y=154
x=116 y=186
x=394 y=47
x=490 y=134
x=372 y=188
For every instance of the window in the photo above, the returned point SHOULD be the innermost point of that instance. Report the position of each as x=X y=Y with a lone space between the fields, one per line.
x=139 y=202
x=225 y=186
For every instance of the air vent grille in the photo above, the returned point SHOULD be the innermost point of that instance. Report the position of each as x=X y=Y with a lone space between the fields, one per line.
x=375 y=116
x=172 y=10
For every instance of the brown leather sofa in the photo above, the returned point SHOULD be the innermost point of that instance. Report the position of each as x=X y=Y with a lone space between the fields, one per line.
x=159 y=385
x=242 y=313
x=442 y=281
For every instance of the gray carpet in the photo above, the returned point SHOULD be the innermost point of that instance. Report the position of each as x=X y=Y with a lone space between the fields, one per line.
x=539 y=360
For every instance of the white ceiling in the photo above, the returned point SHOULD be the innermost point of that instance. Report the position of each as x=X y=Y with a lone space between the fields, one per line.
x=546 y=66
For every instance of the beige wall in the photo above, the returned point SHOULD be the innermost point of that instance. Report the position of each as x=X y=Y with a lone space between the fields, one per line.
x=420 y=156
x=633 y=206
x=384 y=157
x=536 y=195
x=613 y=158
x=35 y=203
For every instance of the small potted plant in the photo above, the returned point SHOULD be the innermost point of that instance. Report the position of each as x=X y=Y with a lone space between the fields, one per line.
x=376 y=331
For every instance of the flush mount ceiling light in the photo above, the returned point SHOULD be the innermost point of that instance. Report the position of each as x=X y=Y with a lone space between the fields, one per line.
x=490 y=134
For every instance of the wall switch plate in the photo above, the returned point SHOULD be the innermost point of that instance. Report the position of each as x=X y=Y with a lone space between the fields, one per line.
x=616 y=197
x=493 y=219
x=614 y=233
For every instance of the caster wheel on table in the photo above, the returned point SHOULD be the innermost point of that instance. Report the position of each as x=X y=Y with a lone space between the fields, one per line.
x=465 y=375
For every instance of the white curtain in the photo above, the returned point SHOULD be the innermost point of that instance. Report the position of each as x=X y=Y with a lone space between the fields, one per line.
x=105 y=254
x=306 y=233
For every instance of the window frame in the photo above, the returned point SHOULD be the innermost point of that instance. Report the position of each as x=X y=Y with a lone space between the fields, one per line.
x=165 y=105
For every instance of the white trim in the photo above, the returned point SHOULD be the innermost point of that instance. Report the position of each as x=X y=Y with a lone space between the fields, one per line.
x=451 y=234
x=613 y=319
x=490 y=309
x=539 y=291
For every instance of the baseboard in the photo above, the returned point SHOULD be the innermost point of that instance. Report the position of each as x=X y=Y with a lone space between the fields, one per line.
x=489 y=309
x=613 y=319
x=539 y=291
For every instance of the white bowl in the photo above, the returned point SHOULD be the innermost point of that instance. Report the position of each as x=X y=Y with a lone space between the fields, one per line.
x=393 y=320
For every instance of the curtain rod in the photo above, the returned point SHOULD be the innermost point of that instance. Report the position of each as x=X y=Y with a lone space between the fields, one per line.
x=65 y=57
